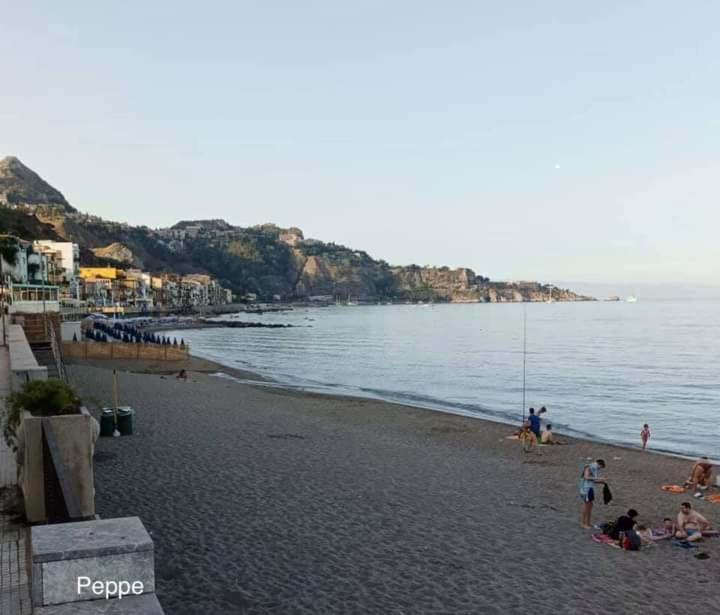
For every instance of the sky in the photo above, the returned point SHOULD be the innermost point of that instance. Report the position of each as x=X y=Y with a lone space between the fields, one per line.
x=551 y=141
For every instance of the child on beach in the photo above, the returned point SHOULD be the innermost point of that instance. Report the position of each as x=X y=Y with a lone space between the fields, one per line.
x=664 y=532
x=645 y=435
x=547 y=436
x=528 y=439
x=646 y=535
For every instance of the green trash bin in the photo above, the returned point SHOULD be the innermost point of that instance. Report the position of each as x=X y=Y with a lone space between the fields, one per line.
x=125 y=421
x=107 y=423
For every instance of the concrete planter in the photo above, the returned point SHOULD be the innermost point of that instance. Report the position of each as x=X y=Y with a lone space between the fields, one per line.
x=58 y=464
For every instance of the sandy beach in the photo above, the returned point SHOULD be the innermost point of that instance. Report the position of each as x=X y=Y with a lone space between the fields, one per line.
x=262 y=500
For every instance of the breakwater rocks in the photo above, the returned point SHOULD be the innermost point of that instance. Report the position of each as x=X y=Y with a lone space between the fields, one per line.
x=213 y=324
x=234 y=324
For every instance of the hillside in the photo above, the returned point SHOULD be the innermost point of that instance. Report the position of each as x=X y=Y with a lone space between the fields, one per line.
x=266 y=260
x=22 y=187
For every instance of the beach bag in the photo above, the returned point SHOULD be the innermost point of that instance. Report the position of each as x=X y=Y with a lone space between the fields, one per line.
x=631 y=541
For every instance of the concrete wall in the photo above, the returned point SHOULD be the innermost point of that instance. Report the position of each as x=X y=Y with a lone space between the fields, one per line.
x=31 y=469
x=70 y=328
x=34 y=325
x=122 y=350
x=23 y=364
x=35 y=307
x=76 y=443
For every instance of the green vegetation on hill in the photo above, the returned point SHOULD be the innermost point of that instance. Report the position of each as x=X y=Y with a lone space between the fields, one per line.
x=265 y=260
x=246 y=262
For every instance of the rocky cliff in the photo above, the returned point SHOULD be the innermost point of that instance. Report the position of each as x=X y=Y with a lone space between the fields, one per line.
x=22 y=187
x=266 y=260
x=116 y=252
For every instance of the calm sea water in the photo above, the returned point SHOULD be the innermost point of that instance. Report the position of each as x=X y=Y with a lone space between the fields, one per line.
x=602 y=369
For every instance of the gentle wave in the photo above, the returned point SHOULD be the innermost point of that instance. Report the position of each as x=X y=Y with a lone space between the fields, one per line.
x=602 y=369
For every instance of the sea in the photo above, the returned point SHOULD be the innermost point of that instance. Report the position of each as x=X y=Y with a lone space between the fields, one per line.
x=602 y=369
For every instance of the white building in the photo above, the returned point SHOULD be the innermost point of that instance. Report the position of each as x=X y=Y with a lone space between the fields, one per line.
x=64 y=254
x=25 y=284
x=64 y=264
x=20 y=264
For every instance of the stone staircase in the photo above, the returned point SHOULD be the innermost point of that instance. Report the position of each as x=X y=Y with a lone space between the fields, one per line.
x=44 y=354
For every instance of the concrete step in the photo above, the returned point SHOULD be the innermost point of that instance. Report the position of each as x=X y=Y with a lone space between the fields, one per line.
x=44 y=356
x=147 y=604
x=116 y=549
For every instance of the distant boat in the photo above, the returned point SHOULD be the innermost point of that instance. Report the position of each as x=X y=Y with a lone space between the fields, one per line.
x=613 y=298
x=550 y=297
x=631 y=299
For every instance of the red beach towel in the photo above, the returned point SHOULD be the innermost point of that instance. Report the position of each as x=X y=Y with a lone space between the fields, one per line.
x=604 y=539
x=673 y=488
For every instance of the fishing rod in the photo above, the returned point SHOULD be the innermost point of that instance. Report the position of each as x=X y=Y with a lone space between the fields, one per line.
x=524 y=357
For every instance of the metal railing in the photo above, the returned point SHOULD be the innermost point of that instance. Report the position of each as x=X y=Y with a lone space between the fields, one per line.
x=56 y=349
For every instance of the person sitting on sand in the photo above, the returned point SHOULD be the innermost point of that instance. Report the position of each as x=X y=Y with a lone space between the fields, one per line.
x=588 y=479
x=666 y=531
x=690 y=523
x=624 y=523
x=700 y=476
x=182 y=375
x=547 y=436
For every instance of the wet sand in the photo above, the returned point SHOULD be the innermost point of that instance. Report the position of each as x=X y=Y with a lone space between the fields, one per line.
x=262 y=500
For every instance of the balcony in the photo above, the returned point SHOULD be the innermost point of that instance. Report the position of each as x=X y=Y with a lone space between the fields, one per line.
x=33 y=299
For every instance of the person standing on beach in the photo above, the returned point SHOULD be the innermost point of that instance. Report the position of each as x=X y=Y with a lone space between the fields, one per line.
x=645 y=435
x=700 y=476
x=534 y=422
x=588 y=479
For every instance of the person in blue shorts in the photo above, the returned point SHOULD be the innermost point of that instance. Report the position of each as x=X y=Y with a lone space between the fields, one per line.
x=690 y=524
x=589 y=478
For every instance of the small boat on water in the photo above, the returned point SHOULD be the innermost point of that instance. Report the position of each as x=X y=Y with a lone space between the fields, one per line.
x=550 y=297
x=631 y=299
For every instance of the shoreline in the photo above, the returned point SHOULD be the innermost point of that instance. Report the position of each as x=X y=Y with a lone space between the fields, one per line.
x=251 y=378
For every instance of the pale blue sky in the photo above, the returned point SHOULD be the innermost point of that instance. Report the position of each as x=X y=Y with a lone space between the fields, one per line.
x=425 y=132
